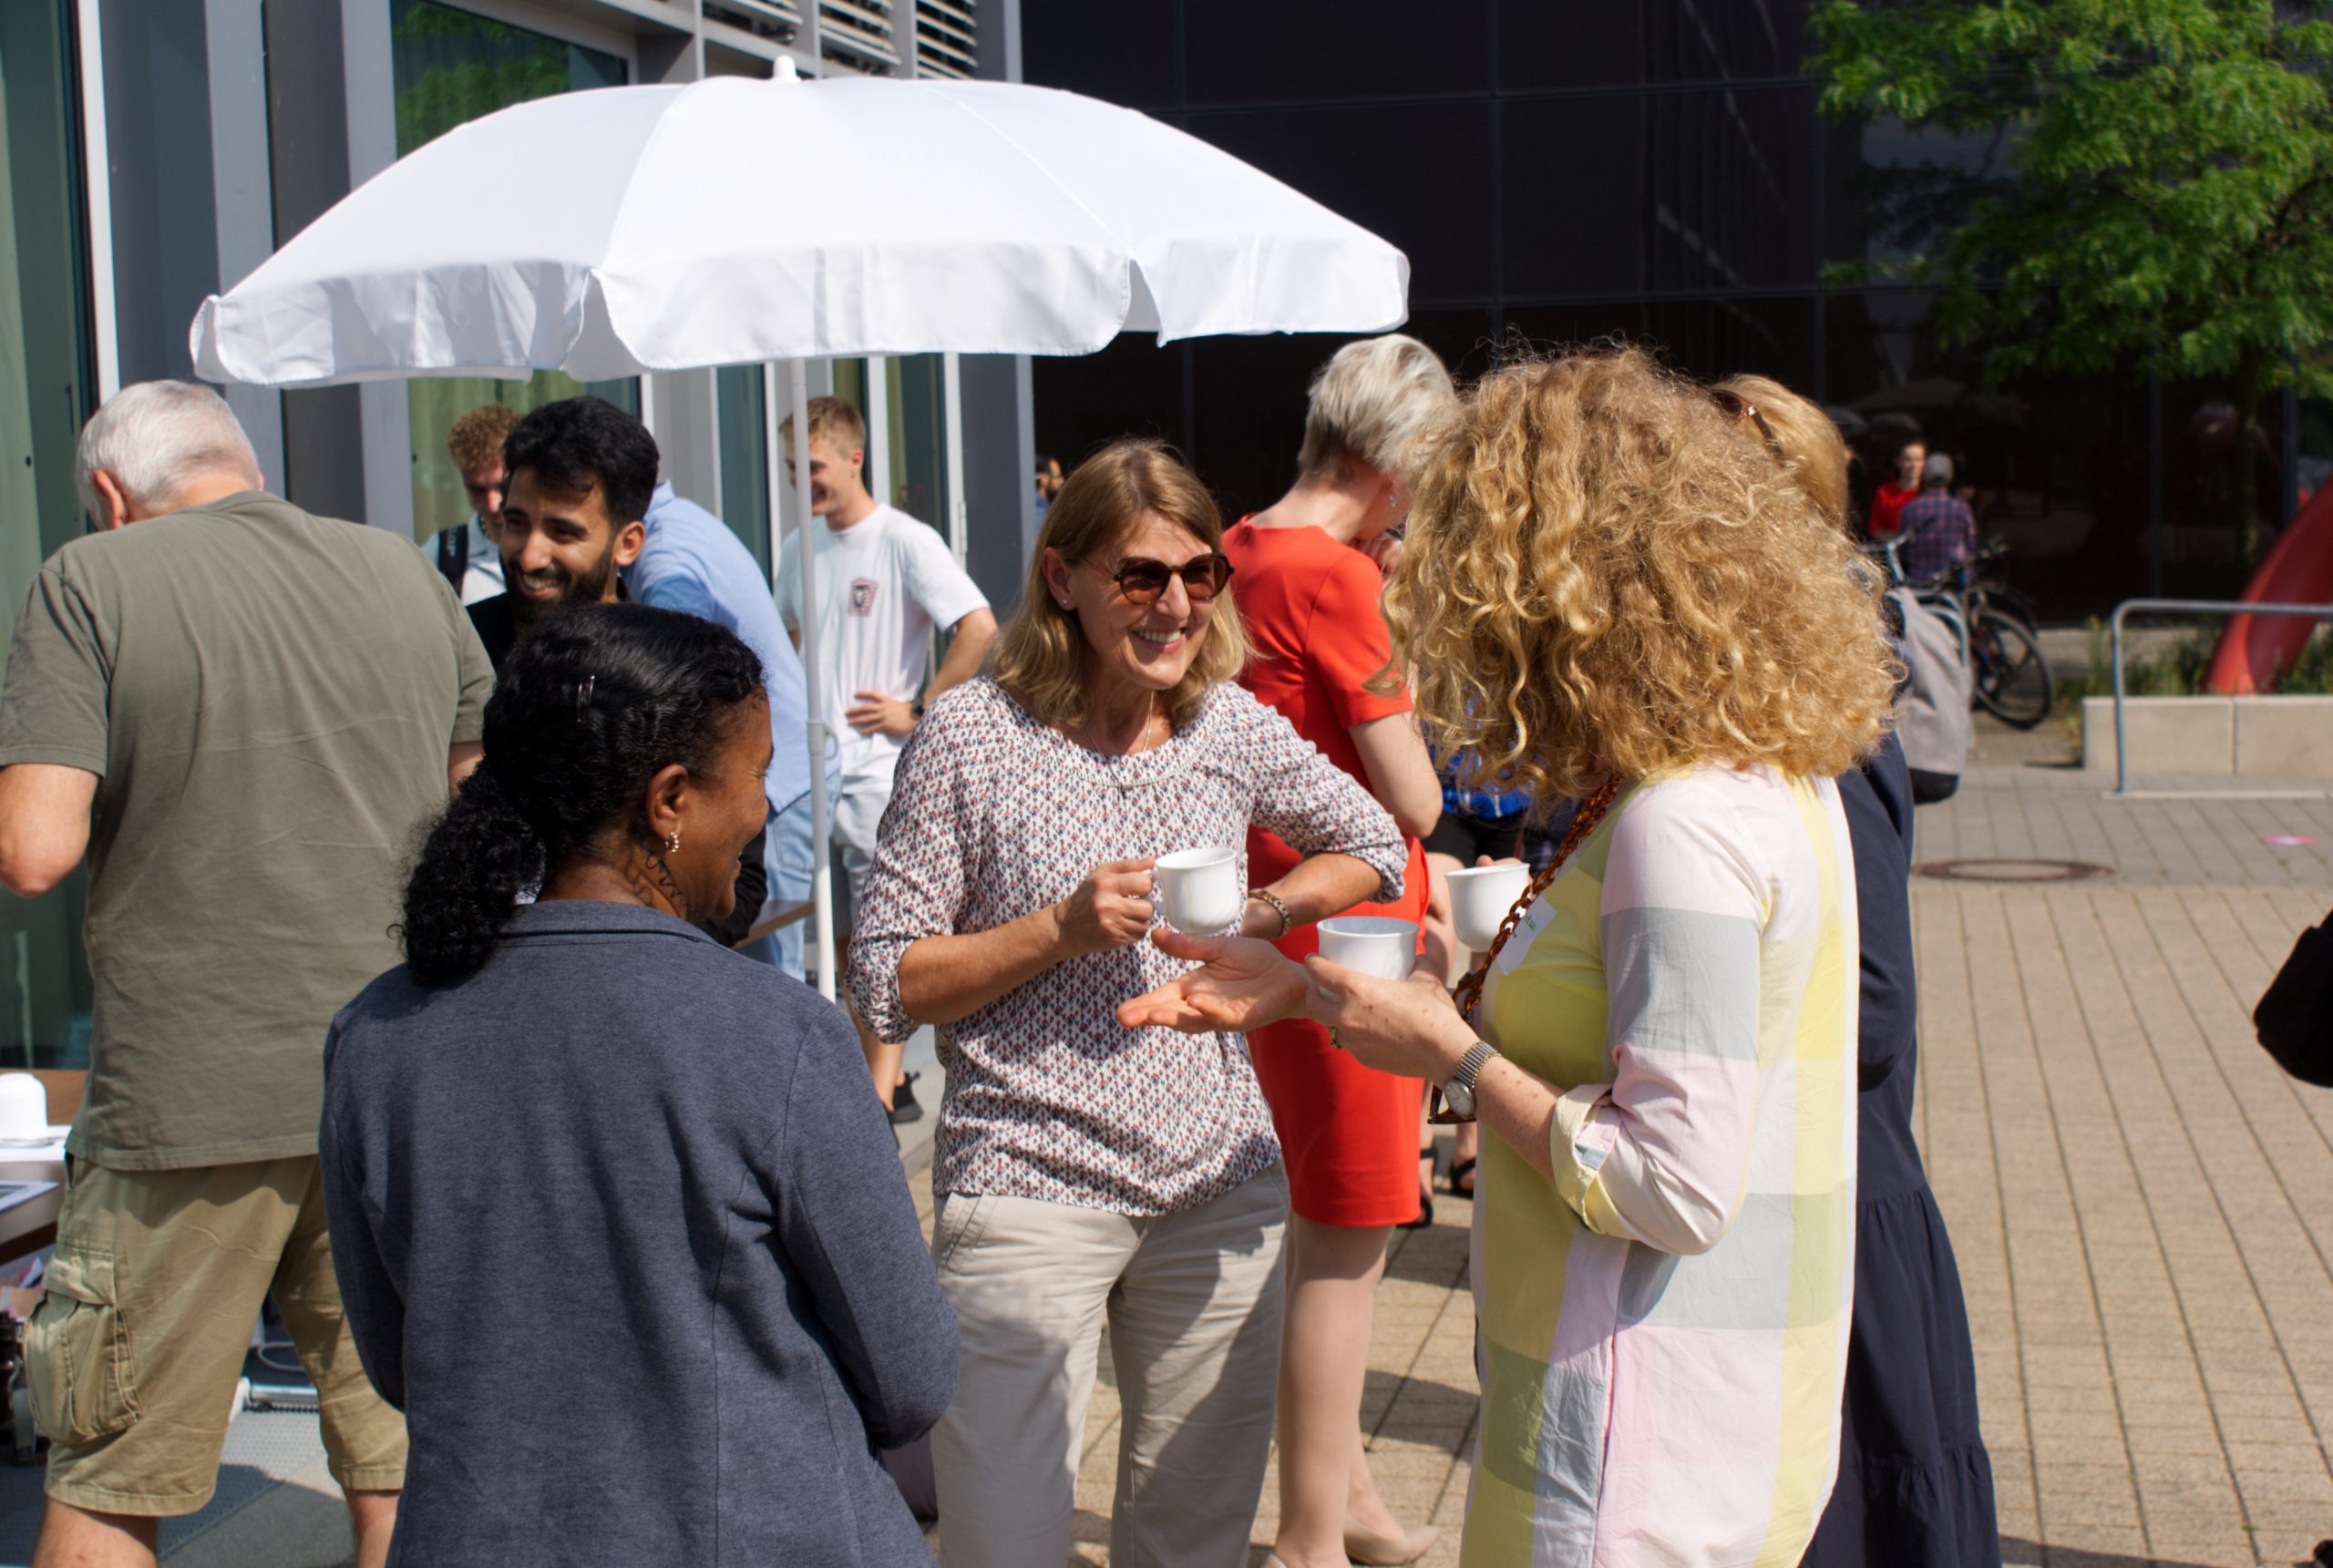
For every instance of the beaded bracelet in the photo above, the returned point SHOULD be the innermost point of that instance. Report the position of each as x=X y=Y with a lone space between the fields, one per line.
x=1287 y=920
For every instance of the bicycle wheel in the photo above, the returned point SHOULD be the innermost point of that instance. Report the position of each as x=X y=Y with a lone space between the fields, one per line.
x=2013 y=681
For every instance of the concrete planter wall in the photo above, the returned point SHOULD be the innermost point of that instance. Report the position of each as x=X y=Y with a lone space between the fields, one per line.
x=2231 y=737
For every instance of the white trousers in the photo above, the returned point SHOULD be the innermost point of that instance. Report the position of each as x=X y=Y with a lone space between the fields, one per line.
x=1194 y=1302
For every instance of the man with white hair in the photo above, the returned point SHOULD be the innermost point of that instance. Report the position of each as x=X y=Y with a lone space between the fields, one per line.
x=241 y=713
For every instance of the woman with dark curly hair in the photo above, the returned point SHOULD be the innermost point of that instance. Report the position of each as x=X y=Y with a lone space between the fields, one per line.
x=613 y=1215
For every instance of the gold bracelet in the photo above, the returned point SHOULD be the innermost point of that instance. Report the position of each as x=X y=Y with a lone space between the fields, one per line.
x=1287 y=920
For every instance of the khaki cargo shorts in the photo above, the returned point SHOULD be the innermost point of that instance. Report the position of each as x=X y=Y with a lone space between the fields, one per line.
x=133 y=1352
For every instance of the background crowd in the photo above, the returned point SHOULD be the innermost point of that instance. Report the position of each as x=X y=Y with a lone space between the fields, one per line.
x=586 y=1227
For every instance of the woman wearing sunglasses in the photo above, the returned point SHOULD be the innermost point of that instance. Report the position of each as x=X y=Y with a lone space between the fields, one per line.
x=1308 y=596
x=1087 y=1172
x=1610 y=594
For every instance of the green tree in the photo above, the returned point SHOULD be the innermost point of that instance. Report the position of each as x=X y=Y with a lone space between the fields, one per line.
x=2170 y=205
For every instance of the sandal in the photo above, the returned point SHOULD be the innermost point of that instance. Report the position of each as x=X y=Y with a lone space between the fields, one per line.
x=1461 y=1168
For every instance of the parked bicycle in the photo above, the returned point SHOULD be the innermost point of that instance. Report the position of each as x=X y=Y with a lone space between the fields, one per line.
x=2012 y=680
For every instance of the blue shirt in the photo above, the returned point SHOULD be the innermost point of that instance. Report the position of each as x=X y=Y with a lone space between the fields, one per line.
x=1481 y=805
x=623 y=1235
x=692 y=563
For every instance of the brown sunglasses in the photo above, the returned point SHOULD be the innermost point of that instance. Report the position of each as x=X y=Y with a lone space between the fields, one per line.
x=1142 y=581
x=1737 y=409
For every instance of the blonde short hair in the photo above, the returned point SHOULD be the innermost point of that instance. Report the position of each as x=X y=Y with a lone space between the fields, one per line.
x=1812 y=451
x=1381 y=403
x=1042 y=653
x=832 y=421
x=1604 y=575
x=476 y=437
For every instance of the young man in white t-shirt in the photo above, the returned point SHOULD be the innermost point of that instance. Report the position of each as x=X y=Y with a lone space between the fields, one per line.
x=885 y=581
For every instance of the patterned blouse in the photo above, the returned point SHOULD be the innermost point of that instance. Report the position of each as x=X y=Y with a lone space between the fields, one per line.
x=997 y=815
x=1664 y=1327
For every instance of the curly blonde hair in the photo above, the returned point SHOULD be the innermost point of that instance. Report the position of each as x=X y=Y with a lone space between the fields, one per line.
x=1042 y=653
x=476 y=437
x=1604 y=574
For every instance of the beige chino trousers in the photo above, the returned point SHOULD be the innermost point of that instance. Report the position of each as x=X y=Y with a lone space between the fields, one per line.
x=1194 y=1302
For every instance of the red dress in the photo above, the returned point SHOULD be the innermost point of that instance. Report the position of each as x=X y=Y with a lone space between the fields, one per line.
x=1349 y=1132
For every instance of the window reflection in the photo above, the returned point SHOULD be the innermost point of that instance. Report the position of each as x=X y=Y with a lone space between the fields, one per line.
x=448 y=67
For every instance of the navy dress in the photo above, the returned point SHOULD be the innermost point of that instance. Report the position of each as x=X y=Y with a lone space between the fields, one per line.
x=1916 y=1486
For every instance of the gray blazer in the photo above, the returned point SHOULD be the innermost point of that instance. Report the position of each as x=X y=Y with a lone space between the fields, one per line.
x=621 y=1228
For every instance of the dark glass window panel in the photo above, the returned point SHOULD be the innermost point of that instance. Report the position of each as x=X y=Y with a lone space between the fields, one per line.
x=1122 y=51
x=1706 y=338
x=920 y=439
x=1238 y=52
x=1416 y=174
x=1132 y=387
x=1705 y=191
x=1902 y=193
x=745 y=456
x=2054 y=465
x=1554 y=44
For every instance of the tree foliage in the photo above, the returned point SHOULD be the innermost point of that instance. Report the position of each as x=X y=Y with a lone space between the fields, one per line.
x=2170 y=204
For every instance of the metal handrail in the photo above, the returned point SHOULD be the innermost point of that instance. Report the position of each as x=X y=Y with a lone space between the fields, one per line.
x=2185 y=606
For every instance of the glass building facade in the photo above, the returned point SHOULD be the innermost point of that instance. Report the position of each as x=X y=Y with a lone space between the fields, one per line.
x=159 y=150
x=45 y=392
x=1560 y=171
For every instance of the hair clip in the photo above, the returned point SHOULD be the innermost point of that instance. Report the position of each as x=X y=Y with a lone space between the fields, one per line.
x=583 y=694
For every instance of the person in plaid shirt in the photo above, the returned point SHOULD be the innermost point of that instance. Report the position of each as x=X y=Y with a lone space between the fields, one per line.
x=1938 y=528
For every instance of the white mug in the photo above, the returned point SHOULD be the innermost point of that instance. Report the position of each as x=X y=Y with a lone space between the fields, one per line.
x=24 y=1109
x=1198 y=889
x=1372 y=944
x=1480 y=896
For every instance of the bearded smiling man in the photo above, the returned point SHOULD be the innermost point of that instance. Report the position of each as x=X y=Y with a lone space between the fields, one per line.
x=581 y=473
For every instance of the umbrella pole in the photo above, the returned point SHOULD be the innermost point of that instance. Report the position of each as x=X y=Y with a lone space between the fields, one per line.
x=822 y=889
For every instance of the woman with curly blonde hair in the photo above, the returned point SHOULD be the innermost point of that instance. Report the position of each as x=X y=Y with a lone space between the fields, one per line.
x=1611 y=592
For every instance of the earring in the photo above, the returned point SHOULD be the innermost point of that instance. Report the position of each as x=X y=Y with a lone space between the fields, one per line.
x=673 y=845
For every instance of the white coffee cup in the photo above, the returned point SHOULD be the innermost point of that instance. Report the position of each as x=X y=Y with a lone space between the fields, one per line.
x=24 y=1109
x=1198 y=889
x=1372 y=944
x=1480 y=896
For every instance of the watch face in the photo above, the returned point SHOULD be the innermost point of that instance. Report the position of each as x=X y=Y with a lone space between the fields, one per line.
x=1461 y=1097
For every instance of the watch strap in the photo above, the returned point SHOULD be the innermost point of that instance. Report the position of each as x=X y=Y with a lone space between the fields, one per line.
x=1472 y=1066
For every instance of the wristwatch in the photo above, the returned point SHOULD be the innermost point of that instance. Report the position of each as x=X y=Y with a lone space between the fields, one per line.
x=1459 y=1093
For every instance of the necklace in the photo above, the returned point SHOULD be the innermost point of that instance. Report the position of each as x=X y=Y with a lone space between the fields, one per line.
x=1088 y=735
x=1469 y=993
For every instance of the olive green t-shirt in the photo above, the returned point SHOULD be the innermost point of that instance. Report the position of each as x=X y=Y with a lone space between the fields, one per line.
x=268 y=699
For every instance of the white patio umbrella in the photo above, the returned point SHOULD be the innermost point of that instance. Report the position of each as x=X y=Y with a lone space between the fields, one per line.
x=669 y=227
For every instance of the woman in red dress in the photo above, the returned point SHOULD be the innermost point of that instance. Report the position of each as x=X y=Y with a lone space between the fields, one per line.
x=1308 y=584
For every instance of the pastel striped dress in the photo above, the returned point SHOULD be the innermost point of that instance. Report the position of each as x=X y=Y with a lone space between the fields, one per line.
x=1664 y=1328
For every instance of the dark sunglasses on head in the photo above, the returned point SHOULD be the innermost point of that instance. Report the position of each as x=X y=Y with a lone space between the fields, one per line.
x=1142 y=580
x=1737 y=409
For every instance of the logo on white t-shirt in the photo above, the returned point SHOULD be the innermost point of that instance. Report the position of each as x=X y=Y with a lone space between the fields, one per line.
x=862 y=596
